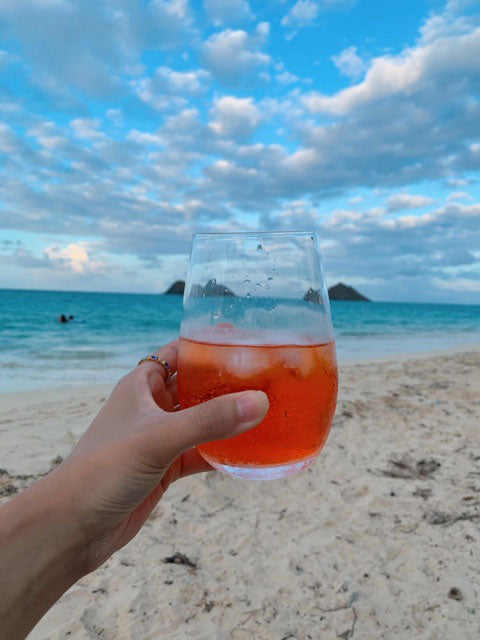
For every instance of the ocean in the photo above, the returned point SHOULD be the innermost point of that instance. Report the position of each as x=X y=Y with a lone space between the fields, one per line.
x=111 y=331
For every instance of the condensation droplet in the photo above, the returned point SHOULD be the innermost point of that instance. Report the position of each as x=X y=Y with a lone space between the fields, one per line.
x=249 y=295
x=258 y=284
x=246 y=281
x=259 y=247
x=270 y=278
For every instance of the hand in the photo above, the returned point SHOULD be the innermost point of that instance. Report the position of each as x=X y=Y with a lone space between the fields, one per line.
x=94 y=502
x=138 y=445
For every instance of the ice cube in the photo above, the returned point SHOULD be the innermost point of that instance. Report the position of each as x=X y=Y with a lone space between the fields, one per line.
x=246 y=362
x=300 y=360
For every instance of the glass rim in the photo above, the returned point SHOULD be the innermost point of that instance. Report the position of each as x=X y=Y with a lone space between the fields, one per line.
x=216 y=234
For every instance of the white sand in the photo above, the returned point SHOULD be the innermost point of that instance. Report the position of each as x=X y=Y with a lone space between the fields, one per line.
x=342 y=550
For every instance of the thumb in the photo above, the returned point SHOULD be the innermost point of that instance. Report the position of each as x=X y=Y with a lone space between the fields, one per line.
x=216 y=419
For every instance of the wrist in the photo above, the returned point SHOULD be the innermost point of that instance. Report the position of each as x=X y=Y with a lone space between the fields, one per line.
x=57 y=492
x=42 y=554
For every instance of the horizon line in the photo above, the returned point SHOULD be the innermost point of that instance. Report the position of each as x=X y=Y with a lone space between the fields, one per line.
x=152 y=293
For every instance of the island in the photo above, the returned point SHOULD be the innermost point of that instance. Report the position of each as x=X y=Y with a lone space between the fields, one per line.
x=339 y=291
x=210 y=289
x=177 y=288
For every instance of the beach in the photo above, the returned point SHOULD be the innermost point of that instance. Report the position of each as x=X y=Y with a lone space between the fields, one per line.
x=378 y=539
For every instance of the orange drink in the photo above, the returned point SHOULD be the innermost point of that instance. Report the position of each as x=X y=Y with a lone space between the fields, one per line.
x=257 y=316
x=301 y=384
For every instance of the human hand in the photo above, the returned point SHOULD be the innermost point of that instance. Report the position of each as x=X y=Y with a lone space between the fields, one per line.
x=138 y=445
x=96 y=500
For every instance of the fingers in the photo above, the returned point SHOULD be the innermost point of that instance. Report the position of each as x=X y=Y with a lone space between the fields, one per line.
x=169 y=353
x=157 y=373
x=217 y=419
x=192 y=462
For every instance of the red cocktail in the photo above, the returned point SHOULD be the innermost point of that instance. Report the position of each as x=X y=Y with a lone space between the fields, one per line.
x=257 y=316
x=301 y=384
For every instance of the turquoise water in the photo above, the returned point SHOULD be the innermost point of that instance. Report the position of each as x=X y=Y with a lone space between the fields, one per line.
x=112 y=331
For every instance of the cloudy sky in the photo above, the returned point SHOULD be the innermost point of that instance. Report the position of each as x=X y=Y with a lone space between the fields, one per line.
x=127 y=125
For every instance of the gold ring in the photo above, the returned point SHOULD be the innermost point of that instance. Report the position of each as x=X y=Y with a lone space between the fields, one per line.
x=156 y=359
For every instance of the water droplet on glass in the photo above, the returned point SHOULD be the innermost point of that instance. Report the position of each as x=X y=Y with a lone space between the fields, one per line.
x=270 y=278
x=249 y=295
x=259 y=247
x=246 y=281
x=258 y=284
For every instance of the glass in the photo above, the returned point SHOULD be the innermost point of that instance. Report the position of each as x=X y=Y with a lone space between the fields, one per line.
x=257 y=316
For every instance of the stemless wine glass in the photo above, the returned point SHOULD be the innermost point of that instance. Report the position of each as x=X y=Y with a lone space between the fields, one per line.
x=257 y=316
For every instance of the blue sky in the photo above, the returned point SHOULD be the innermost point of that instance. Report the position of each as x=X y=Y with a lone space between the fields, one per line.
x=127 y=125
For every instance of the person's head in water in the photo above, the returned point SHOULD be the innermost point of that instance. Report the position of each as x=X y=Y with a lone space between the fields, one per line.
x=62 y=318
x=70 y=317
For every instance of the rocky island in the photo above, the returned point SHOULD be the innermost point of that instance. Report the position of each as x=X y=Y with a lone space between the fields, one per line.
x=178 y=287
x=210 y=289
x=339 y=291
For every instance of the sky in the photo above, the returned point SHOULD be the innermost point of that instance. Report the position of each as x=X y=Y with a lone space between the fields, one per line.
x=128 y=125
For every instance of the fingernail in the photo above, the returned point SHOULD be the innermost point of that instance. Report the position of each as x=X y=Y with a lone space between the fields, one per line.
x=252 y=406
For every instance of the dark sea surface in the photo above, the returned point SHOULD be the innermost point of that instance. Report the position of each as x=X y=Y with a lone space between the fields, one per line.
x=111 y=331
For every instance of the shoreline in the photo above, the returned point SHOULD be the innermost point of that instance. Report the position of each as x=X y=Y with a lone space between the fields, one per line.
x=343 y=363
x=413 y=355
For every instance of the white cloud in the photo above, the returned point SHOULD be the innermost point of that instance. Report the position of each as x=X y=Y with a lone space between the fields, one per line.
x=10 y=107
x=235 y=117
x=458 y=195
x=448 y=22
x=394 y=253
x=228 y=11
x=8 y=142
x=456 y=285
x=48 y=135
x=286 y=78
x=404 y=74
x=400 y=201
x=349 y=62
x=88 y=129
x=168 y=88
x=142 y=186
x=233 y=56
x=171 y=81
x=301 y=14
x=86 y=46
x=74 y=257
